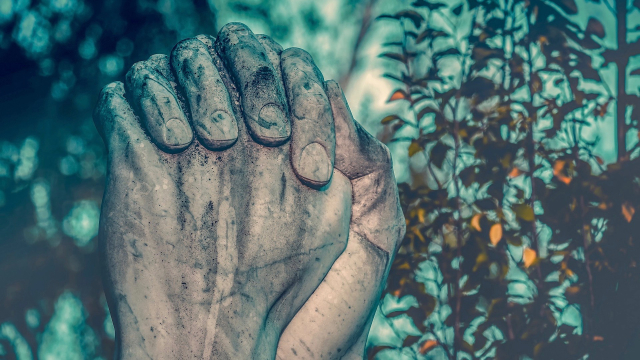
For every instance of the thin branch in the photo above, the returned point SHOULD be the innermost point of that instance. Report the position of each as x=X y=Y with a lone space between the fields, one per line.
x=364 y=28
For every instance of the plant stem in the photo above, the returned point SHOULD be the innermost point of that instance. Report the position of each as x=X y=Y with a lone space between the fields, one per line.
x=622 y=61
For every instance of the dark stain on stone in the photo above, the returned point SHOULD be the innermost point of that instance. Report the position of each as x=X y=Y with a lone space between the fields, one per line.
x=283 y=179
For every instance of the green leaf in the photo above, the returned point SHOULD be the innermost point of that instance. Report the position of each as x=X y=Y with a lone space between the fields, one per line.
x=429 y=5
x=568 y=6
x=468 y=176
x=486 y=204
x=411 y=15
x=449 y=52
x=431 y=34
x=458 y=10
x=426 y=110
x=394 y=56
x=438 y=153
x=595 y=27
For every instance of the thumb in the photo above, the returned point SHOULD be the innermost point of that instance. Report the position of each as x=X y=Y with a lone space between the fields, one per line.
x=376 y=211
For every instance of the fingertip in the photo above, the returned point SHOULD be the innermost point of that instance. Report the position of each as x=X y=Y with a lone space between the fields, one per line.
x=258 y=81
x=158 y=107
x=314 y=168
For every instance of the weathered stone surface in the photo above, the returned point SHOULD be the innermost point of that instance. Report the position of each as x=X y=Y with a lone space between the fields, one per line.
x=214 y=244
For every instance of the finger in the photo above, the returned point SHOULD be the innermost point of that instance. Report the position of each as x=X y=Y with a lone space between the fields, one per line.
x=155 y=100
x=208 y=98
x=312 y=143
x=273 y=51
x=116 y=121
x=367 y=163
x=262 y=93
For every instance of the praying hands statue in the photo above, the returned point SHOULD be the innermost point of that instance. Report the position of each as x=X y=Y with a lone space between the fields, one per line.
x=246 y=214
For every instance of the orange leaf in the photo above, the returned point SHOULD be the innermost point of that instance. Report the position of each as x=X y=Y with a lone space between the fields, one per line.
x=397 y=95
x=515 y=172
x=603 y=206
x=495 y=234
x=564 y=179
x=628 y=210
x=599 y=160
x=529 y=256
x=558 y=166
x=598 y=338
x=572 y=290
x=428 y=345
x=475 y=222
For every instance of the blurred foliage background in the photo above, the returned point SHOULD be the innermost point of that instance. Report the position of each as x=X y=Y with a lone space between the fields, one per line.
x=515 y=143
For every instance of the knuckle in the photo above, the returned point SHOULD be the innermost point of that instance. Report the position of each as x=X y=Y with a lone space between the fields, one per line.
x=135 y=70
x=183 y=49
x=158 y=58
x=267 y=41
x=295 y=52
x=234 y=27
x=311 y=105
x=208 y=40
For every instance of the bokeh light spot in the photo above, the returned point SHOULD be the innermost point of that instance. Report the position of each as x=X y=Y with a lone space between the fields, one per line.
x=81 y=223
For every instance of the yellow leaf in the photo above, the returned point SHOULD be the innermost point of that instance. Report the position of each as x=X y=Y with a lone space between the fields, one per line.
x=628 y=210
x=405 y=266
x=568 y=272
x=414 y=148
x=389 y=119
x=427 y=346
x=475 y=222
x=421 y=213
x=529 y=256
x=416 y=231
x=524 y=212
x=481 y=259
x=495 y=234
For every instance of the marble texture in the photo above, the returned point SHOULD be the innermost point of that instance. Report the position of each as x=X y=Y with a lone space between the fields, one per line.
x=246 y=214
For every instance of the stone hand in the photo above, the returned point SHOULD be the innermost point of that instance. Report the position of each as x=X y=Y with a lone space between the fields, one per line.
x=211 y=246
x=335 y=321
x=210 y=253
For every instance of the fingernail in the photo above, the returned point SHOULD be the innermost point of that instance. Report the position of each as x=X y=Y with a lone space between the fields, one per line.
x=225 y=124
x=273 y=122
x=176 y=133
x=314 y=164
x=221 y=130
